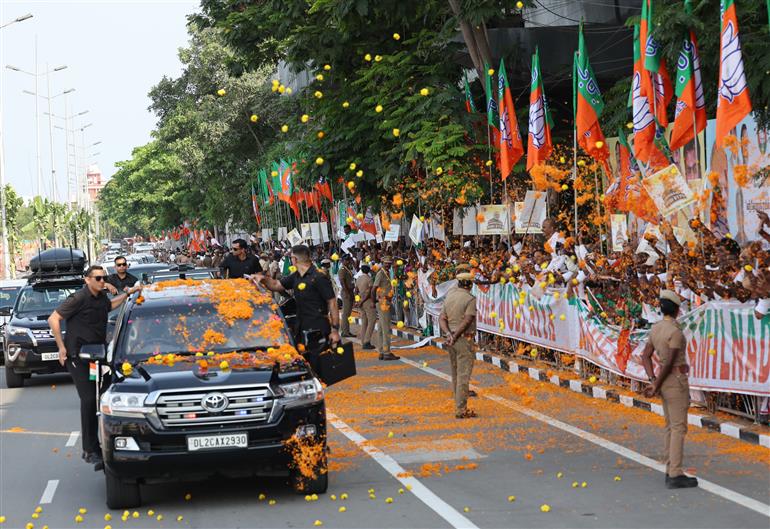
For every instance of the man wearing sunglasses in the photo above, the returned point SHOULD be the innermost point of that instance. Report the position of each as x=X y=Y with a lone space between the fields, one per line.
x=240 y=262
x=121 y=279
x=86 y=312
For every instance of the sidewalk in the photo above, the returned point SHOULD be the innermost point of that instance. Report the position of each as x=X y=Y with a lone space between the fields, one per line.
x=734 y=427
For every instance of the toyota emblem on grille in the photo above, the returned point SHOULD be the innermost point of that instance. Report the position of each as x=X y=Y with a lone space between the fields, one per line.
x=214 y=402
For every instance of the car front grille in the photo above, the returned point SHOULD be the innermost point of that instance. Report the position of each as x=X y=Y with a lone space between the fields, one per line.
x=185 y=409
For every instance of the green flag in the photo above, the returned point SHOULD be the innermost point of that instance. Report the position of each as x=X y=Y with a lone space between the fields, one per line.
x=493 y=114
x=469 y=105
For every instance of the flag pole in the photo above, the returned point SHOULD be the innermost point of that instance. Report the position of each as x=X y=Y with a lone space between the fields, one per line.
x=578 y=236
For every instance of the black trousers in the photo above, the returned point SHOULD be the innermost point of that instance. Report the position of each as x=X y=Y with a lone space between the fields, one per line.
x=89 y=425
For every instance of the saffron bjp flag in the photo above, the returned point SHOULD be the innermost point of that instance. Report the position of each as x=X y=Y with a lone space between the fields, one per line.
x=643 y=120
x=661 y=92
x=511 y=147
x=539 y=144
x=690 y=116
x=588 y=105
x=733 y=102
x=469 y=105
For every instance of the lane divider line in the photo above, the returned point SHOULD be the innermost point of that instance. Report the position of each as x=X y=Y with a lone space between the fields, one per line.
x=50 y=490
x=29 y=432
x=730 y=495
x=73 y=438
x=423 y=493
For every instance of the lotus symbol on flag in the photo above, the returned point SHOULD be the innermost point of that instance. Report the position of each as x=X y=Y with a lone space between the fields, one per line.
x=700 y=99
x=642 y=115
x=586 y=81
x=505 y=130
x=650 y=47
x=492 y=106
x=683 y=61
x=732 y=77
x=537 y=122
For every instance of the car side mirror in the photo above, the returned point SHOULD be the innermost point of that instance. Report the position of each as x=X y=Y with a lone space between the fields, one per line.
x=93 y=352
x=5 y=311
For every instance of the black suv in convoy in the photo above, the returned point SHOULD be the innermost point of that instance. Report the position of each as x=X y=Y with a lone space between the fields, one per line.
x=197 y=391
x=29 y=346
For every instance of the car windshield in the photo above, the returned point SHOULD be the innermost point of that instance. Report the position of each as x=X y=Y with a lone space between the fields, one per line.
x=8 y=296
x=43 y=298
x=195 y=327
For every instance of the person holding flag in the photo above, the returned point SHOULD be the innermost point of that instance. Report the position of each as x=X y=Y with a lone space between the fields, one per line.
x=539 y=144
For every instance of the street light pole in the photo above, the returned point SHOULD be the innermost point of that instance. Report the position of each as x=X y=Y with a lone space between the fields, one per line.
x=8 y=271
x=38 y=156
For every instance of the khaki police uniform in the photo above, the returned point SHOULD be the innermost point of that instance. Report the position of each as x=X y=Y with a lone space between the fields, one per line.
x=665 y=336
x=368 y=312
x=384 y=291
x=346 y=293
x=458 y=304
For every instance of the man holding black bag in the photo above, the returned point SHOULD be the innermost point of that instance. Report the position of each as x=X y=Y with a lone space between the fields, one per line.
x=317 y=312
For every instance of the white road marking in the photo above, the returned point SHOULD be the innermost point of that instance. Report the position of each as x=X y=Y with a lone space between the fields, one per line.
x=73 y=438
x=730 y=495
x=50 y=490
x=439 y=506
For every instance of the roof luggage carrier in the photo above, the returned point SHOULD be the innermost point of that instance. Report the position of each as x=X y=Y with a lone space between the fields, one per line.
x=56 y=263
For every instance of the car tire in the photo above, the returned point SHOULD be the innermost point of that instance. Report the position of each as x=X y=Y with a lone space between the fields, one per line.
x=12 y=378
x=315 y=485
x=120 y=494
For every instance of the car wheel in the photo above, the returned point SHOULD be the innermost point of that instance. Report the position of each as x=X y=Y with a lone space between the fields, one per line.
x=315 y=485
x=12 y=378
x=121 y=495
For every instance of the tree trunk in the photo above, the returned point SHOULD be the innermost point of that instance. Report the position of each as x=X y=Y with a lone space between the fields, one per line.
x=475 y=40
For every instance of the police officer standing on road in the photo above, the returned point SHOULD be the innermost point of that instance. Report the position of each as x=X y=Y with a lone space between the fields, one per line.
x=346 y=293
x=458 y=324
x=122 y=279
x=368 y=312
x=86 y=312
x=317 y=311
x=382 y=294
x=667 y=339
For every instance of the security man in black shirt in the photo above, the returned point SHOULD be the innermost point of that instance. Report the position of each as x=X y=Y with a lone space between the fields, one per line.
x=86 y=312
x=239 y=263
x=121 y=279
x=317 y=312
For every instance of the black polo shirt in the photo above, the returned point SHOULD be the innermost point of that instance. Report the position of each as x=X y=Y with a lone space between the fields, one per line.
x=128 y=281
x=86 y=316
x=238 y=268
x=312 y=300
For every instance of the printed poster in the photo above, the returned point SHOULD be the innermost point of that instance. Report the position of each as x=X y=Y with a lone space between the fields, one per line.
x=415 y=230
x=669 y=190
x=531 y=213
x=493 y=219
x=619 y=226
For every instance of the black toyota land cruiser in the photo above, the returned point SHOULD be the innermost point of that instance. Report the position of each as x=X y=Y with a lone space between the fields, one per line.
x=29 y=345
x=205 y=381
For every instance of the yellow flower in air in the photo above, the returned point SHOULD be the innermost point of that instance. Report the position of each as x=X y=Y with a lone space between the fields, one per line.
x=466 y=509
x=281 y=89
x=378 y=108
x=319 y=77
x=377 y=58
x=271 y=502
x=275 y=173
x=400 y=325
x=345 y=104
x=318 y=523
x=327 y=67
x=393 y=282
x=491 y=71
x=159 y=517
x=564 y=187
x=288 y=90
x=511 y=498
x=592 y=380
x=545 y=508
x=335 y=257
x=301 y=286
x=583 y=485
x=575 y=484
x=292 y=269
x=519 y=4
x=368 y=57
x=254 y=118
x=318 y=94
x=126 y=368
x=344 y=496
x=409 y=294
x=396 y=133
x=493 y=315
x=617 y=478
x=357 y=298
x=187 y=497
x=559 y=475
x=388 y=500
x=340 y=350
x=221 y=92
x=563 y=317
x=561 y=159
x=439 y=170
x=261 y=497
x=489 y=163
x=224 y=366
x=424 y=92
x=748 y=268
x=352 y=166
x=107 y=517
x=284 y=128
x=304 y=118
x=319 y=161
x=396 y=36
x=342 y=508
x=599 y=144
x=351 y=185
x=179 y=518
x=360 y=173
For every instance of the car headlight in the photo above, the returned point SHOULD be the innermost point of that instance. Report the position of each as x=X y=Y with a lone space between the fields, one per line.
x=16 y=331
x=300 y=393
x=124 y=404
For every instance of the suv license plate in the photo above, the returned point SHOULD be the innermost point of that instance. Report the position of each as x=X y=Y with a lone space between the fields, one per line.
x=49 y=356
x=209 y=442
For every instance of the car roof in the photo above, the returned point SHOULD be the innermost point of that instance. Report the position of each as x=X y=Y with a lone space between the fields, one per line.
x=178 y=291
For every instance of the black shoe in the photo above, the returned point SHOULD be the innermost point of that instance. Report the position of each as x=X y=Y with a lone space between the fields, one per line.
x=367 y=346
x=668 y=479
x=681 y=482
x=472 y=393
x=389 y=356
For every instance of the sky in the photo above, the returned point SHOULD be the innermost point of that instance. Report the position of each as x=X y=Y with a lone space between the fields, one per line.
x=115 y=51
